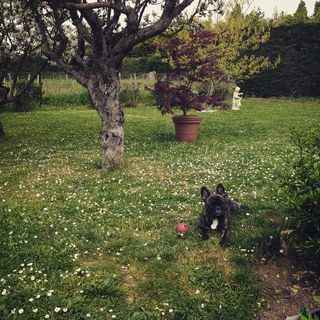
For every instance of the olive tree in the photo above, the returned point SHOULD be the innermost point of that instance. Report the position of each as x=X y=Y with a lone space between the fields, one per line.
x=90 y=39
x=19 y=39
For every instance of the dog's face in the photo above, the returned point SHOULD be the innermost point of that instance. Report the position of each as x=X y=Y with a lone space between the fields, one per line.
x=217 y=208
x=215 y=205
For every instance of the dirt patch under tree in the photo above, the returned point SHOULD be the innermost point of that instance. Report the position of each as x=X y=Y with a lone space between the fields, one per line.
x=287 y=287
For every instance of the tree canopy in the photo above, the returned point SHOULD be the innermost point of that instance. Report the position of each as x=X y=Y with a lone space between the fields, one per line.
x=301 y=14
x=316 y=12
x=239 y=36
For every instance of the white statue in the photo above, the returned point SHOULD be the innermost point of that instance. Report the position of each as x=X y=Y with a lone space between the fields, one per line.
x=237 y=96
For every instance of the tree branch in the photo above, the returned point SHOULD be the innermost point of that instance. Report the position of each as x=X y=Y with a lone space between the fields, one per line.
x=56 y=55
x=11 y=98
x=82 y=30
x=141 y=8
x=79 y=76
x=170 y=11
x=62 y=39
x=96 y=5
x=96 y=31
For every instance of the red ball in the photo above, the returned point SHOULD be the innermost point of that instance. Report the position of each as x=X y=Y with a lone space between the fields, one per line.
x=182 y=228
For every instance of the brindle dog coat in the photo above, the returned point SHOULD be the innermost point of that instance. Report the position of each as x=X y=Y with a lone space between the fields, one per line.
x=216 y=212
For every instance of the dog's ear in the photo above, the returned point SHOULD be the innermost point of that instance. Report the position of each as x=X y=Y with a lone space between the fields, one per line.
x=220 y=190
x=205 y=193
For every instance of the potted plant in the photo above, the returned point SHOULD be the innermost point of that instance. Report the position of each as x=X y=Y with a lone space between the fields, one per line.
x=193 y=61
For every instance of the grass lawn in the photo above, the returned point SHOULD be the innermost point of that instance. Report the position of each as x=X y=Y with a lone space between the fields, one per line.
x=79 y=243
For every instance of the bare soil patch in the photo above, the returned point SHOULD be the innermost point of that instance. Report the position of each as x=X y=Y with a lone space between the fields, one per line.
x=287 y=287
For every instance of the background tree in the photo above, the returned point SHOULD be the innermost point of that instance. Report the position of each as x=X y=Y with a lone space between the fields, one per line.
x=316 y=12
x=19 y=40
x=105 y=32
x=235 y=10
x=143 y=59
x=239 y=37
x=280 y=19
x=301 y=14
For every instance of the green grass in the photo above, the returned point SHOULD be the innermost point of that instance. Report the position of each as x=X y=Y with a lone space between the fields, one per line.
x=79 y=243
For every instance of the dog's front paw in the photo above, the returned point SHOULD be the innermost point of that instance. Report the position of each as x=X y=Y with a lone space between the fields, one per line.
x=223 y=243
x=205 y=236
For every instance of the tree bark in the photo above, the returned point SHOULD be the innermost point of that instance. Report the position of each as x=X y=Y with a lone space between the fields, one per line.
x=105 y=96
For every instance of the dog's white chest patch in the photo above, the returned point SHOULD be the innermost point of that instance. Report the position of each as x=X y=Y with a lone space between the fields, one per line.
x=214 y=224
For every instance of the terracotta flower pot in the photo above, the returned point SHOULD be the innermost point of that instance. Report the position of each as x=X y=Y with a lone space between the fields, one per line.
x=187 y=127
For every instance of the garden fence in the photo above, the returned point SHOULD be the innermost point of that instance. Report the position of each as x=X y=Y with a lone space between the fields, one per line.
x=64 y=84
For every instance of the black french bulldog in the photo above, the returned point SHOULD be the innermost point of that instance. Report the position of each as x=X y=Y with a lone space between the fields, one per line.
x=217 y=208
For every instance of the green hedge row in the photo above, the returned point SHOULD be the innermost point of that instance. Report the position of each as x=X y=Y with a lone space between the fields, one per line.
x=298 y=73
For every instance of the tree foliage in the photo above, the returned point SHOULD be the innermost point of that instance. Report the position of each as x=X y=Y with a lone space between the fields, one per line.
x=301 y=14
x=19 y=40
x=316 y=12
x=193 y=59
x=301 y=188
x=239 y=37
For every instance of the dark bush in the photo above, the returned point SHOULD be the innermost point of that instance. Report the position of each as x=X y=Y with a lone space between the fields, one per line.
x=302 y=195
x=294 y=76
x=29 y=98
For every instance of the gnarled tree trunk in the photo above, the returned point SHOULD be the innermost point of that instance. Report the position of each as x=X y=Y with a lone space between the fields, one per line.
x=104 y=91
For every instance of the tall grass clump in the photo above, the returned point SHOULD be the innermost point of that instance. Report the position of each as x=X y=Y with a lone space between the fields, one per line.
x=69 y=99
x=302 y=195
x=134 y=93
